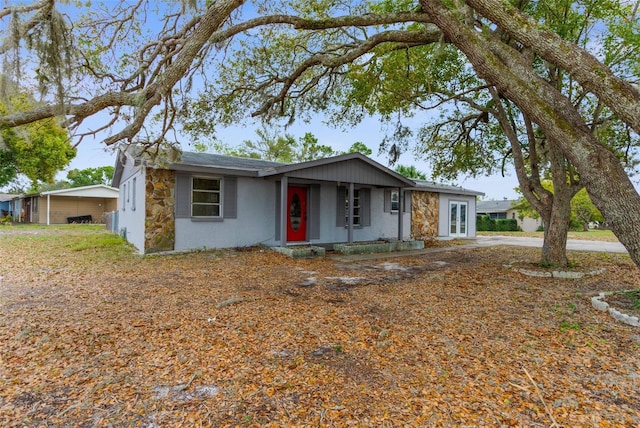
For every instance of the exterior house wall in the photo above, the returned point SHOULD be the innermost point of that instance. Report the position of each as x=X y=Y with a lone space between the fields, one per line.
x=254 y=223
x=424 y=215
x=61 y=207
x=5 y=208
x=16 y=207
x=443 y=216
x=527 y=224
x=384 y=225
x=132 y=206
x=111 y=205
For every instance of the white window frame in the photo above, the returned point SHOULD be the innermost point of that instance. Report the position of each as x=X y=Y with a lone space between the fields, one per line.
x=396 y=202
x=357 y=205
x=219 y=192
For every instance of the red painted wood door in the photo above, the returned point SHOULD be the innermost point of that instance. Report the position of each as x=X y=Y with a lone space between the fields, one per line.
x=297 y=215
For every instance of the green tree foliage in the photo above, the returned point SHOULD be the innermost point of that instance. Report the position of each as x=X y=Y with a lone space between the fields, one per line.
x=278 y=148
x=90 y=176
x=583 y=211
x=37 y=150
x=410 y=172
x=360 y=147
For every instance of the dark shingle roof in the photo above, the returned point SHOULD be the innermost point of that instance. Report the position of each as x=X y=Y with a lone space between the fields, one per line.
x=444 y=188
x=221 y=161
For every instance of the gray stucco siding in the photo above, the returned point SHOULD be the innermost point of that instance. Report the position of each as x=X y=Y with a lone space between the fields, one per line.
x=443 y=211
x=382 y=224
x=132 y=221
x=254 y=222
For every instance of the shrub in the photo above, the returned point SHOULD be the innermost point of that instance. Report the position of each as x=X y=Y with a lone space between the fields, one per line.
x=507 y=225
x=484 y=223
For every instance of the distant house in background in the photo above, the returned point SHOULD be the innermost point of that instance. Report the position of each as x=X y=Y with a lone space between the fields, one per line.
x=86 y=204
x=504 y=210
x=6 y=204
x=206 y=200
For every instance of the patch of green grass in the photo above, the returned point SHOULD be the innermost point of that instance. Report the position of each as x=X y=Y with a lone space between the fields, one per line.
x=568 y=325
x=101 y=241
x=634 y=295
x=591 y=235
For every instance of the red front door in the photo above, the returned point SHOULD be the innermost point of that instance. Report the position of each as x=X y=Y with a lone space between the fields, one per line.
x=297 y=215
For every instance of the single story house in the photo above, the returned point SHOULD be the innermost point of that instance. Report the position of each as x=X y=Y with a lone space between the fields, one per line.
x=86 y=204
x=204 y=200
x=504 y=210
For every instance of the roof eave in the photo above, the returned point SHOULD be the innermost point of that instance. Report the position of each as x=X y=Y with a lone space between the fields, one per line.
x=212 y=169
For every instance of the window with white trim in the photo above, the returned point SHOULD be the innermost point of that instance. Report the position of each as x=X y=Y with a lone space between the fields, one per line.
x=395 y=200
x=357 y=208
x=206 y=197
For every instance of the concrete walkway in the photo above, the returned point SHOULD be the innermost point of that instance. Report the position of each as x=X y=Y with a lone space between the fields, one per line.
x=488 y=241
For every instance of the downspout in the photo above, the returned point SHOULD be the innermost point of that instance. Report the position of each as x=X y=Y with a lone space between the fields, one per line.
x=350 y=215
x=400 y=212
x=48 y=208
x=284 y=187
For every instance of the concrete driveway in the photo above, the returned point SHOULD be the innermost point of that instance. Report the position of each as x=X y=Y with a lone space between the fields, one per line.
x=572 y=244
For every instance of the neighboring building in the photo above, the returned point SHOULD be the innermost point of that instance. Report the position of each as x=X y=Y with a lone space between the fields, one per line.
x=214 y=201
x=6 y=204
x=504 y=210
x=86 y=204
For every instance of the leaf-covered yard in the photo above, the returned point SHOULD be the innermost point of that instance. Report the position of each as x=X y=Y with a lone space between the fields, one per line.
x=95 y=336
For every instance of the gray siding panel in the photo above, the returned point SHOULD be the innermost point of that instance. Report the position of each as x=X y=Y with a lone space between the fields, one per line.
x=230 y=195
x=348 y=172
x=387 y=200
x=365 y=202
x=314 y=211
x=340 y=217
x=183 y=196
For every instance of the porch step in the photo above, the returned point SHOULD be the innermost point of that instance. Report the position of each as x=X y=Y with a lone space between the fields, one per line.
x=302 y=251
x=378 y=247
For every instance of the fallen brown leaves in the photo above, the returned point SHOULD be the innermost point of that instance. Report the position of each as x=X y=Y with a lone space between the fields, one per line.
x=97 y=337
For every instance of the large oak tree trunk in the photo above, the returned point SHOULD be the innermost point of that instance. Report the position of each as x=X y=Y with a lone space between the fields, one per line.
x=554 y=246
x=600 y=171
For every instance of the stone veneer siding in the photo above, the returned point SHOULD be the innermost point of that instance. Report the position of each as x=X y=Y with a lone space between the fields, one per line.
x=424 y=215
x=159 y=225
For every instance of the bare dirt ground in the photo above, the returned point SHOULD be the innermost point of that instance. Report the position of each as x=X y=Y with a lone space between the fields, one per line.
x=95 y=336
